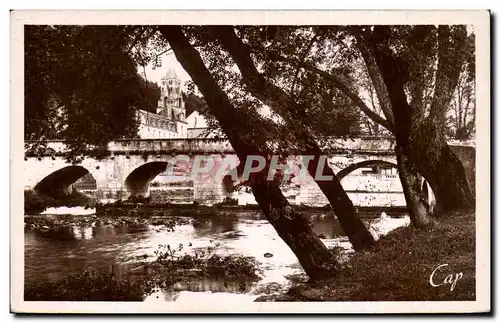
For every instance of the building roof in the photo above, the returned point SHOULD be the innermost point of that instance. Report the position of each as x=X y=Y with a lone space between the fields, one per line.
x=196 y=120
x=171 y=74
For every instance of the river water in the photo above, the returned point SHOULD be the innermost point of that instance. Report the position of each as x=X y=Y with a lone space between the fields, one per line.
x=245 y=233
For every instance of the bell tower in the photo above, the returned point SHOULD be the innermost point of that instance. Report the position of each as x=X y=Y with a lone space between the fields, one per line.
x=171 y=103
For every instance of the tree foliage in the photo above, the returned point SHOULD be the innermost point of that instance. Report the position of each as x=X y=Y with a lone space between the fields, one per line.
x=296 y=70
x=148 y=93
x=81 y=84
x=416 y=70
x=462 y=117
x=279 y=51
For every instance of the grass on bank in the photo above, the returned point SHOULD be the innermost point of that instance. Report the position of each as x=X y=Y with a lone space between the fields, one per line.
x=399 y=267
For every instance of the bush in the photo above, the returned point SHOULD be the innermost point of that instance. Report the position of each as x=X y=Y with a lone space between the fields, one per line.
x=139 y=199
x=100 y=153
x=226 y=202
x=167 y=269
x=72 y=199
x=171 y=267
x=36 y=203
x=88 y=286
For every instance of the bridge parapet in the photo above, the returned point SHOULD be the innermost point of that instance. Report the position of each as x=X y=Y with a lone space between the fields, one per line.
x=363 y=145
x=360 y=144
x=197 y=146
x=210 y=145
x=140 y=146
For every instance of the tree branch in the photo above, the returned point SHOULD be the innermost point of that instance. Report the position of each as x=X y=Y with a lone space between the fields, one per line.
x=450 y=61
x=140 y=38
x=374 y=73
x=301 y=59
x=265 y=91
x=338 y=83
x=230 y=119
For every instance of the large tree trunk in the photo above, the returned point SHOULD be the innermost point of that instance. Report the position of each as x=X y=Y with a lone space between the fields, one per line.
x=295 y=230
x=358 y=234
x=272 y=95
x=292 y=227
x=418 y=207
x=442 y=169
x=424 y=140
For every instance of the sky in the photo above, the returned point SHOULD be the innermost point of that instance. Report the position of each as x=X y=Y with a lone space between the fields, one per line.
x=168 y=61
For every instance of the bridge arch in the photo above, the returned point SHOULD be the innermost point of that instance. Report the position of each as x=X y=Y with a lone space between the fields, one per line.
x=137 y=182
x=366 y=163
x=59 y=181
x=425 y=187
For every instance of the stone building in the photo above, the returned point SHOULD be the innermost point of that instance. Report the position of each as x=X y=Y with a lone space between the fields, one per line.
x=197 y=125
x=156 y=126
x=169 y=121
x=171 y=103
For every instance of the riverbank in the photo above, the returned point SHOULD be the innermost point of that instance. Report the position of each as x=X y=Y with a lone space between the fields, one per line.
x=138 y=209
x=170 y=267
x=36 y=203
x=125 y=246
x=400 y=266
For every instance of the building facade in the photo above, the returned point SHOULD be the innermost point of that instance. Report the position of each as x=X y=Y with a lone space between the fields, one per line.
x=155 y=126
x=171 y=104
x=169 y=121
x=197 y=125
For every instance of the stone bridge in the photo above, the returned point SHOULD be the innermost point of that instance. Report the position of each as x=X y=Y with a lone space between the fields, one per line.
x=133 y=167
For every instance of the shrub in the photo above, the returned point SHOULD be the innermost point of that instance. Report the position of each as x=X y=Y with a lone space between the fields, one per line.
x=226 y=202
x=171 y=267
x=74 y=198
x=36 y=203
x=139 y=199
x=88 y=286
x=100 y=153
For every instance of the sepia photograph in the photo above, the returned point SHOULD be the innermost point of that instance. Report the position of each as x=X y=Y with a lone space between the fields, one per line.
x=250 y=162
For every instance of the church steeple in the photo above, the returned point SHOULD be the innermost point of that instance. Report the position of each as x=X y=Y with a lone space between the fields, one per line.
x=171 y=104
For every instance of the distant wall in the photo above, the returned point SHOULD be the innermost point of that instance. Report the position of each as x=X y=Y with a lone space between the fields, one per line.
x=467 y=155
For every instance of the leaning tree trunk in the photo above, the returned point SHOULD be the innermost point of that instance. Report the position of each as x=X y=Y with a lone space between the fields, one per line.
x=292 y=227
x=295 y=230
x=442 y=169
x=417 y=205
x=270 y=94
x=349 y=220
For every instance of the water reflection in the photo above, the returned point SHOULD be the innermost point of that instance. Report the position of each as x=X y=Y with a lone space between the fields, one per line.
x=73 y=248
x=326 y=226
x=213 y=285
x=214 y=225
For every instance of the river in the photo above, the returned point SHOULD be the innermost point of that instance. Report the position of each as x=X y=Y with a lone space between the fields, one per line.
x=245 y=233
